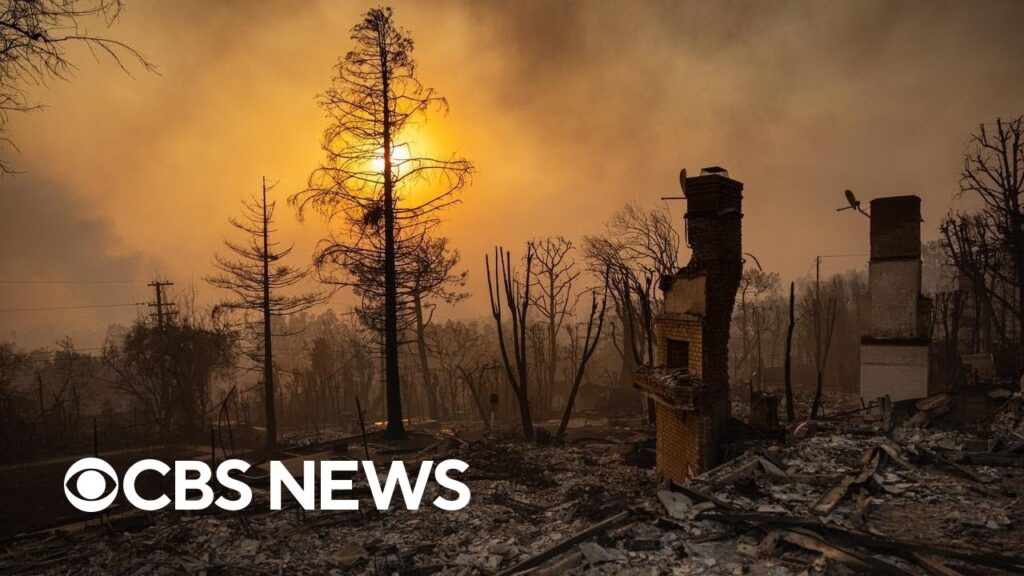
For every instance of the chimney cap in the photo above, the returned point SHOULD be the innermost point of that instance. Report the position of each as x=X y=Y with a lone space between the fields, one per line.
x=714 y=171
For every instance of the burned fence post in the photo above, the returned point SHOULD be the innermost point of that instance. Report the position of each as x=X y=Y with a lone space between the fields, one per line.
x=362 y=428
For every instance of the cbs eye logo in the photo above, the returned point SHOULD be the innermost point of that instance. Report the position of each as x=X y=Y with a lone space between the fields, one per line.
x=90 y=484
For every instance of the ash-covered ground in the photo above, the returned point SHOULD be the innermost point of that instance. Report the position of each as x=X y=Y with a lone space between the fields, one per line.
x=853 y=494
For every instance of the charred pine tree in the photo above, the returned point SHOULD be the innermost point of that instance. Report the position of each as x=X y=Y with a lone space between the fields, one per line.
x=426 y=273
x=504 y=280
x=258 y=280
x=365 y=186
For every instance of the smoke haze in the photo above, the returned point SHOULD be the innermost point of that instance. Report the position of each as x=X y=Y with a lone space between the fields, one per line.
x=568 y=110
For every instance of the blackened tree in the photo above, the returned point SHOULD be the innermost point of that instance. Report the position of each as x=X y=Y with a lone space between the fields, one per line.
x=34 y=38
x=591 y=338
x=433 y=275
x=168 y=369
x=554 y=274
x=505 y=280
x=259 y=282
x=637 y=249
x=427 y=273
x=365 y=186
x=987 y=246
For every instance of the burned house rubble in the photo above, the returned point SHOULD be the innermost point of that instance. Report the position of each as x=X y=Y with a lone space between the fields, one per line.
x=915 y=482
x=865 y=493
x=410 y=290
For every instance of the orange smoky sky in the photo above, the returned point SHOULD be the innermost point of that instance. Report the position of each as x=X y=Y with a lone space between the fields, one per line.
x=568 y=110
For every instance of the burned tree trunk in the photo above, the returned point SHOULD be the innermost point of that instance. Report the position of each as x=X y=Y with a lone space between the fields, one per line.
x=429 y=387
x=517 y=300
x=471 y=383
x=590 y=341
x=790 y=415
x=825 y=340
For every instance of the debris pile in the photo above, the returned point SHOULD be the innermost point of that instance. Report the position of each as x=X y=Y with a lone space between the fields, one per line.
x=838 y=497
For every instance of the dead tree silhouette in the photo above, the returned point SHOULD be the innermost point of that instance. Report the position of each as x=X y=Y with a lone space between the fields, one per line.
x=595 y=322
x=426 y=273
x=257 y=280
x=822 y=332
x=554 y=273
x=517 y=300
x=790 y=415
x=638 y=248
x=364 y=186
x=988 y=245
x=34 y=40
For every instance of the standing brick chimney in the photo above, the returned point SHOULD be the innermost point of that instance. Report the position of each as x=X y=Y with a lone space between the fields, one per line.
x=690 y=377
x=894 y=349
x=714 y=218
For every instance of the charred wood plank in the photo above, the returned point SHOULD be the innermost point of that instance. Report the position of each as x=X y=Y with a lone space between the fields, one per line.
x=566 y=544
x=889 y=545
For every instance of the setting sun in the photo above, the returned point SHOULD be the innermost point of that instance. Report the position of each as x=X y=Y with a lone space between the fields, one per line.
x=672 y=287
x=399 y=156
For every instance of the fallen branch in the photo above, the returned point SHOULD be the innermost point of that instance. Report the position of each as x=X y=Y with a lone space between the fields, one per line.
x=566 y=544
x=854 y=558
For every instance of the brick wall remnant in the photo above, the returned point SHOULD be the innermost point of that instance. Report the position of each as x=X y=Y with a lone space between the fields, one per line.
x=693 y=405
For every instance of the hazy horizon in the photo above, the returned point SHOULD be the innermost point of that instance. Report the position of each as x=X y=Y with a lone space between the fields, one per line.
x=568 y=113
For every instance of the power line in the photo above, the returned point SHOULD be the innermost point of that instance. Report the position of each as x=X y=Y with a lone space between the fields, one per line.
x=84 y=307
x=72 y=281
x=74 y=350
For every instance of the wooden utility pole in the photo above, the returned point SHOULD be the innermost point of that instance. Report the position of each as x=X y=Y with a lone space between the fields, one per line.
x=164 y=309
x=163 y=312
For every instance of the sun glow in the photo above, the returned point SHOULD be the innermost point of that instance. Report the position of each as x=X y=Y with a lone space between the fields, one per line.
x=399 y=156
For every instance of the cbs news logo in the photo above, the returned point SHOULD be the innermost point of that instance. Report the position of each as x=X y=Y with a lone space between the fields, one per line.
x=91 y=485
